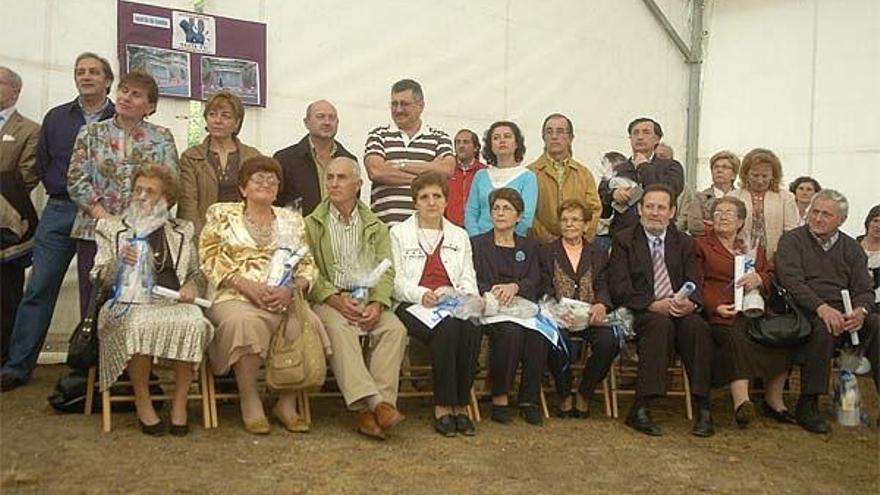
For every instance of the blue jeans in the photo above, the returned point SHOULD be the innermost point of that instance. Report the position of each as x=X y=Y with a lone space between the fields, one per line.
x=53 y=250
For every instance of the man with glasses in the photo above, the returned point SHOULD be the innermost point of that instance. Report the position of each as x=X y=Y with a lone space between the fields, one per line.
x=395 y=154
x=560 y=177
x=644 y=167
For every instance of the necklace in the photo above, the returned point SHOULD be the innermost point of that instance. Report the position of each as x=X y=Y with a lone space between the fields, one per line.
x=263 y=234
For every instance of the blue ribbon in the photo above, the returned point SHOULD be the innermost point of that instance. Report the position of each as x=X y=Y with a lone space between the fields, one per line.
x=120 y=271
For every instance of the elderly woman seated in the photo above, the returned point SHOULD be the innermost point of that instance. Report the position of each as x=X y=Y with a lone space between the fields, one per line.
x=572 y=268
x=507 y=268
x=134 y=327
x=737 y=359
x=432 y=254
x=236 y=247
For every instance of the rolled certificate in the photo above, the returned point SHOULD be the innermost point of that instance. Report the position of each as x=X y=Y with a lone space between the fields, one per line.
x=739 y=269
x=686 y=290
x=848 y=309
x=173 y=294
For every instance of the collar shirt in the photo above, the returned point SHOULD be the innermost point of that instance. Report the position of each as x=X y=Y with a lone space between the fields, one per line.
x=826 y=245
x=5 y=114
x=320 y=167
x=345 y=237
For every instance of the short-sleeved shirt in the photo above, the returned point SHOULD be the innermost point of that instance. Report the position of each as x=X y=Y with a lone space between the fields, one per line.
x=393 y=204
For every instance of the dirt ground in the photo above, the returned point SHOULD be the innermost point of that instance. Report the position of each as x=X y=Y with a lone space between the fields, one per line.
x=45 y=452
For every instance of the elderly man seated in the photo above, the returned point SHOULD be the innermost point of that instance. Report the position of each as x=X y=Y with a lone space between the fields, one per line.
x=815 y=262
x=348 y=240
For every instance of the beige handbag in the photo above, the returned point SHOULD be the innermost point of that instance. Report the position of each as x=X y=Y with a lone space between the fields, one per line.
x=298 y=364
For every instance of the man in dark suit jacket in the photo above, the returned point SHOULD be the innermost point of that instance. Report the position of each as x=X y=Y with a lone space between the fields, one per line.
x=303 y=163
x=644 y=167
x=18 y=155
x=649 y=262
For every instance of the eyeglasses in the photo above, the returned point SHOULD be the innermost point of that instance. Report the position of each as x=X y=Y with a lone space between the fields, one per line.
x=556 y=132
x=265 y=180
x=724 y=214
x=503 y=209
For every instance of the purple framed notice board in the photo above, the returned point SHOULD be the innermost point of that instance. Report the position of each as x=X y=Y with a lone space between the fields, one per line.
x=193 y=55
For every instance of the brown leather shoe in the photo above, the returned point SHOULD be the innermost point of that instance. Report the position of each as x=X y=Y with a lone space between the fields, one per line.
x=367 y=425
x=388 y=416
x=258 y=426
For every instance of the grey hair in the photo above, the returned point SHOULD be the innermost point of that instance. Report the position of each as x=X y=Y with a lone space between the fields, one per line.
x=833 y=195
x=409 y=85
x=355 y=168
x=14 y=78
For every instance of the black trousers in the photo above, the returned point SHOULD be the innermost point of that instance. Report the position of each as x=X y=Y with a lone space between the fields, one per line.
x=815 y=355
x=455 y=348
x=509 y=345
x=604 y=347
x=11 y=291
x=658 y=336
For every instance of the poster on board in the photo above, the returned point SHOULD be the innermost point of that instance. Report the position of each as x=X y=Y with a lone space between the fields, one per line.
x=175 y=46
x=169 y=68
x=194 y=33
x=241 y=77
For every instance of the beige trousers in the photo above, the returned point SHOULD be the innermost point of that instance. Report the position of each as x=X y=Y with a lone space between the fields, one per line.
x=387 y=346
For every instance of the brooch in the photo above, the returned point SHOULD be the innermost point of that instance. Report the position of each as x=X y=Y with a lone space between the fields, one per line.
x=520 y=256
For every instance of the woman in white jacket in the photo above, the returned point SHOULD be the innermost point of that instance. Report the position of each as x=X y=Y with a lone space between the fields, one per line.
x=431 y=252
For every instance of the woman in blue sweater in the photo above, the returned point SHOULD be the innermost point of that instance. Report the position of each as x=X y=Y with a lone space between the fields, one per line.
x=504 y=154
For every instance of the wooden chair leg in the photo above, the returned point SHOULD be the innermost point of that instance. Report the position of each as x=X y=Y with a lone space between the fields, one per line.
x=212 y=387
x=689 y=407
x=205 y=394
x=614 y=395
x=606 y=394
x=90 y=391
x=474 y=407
x=544 y=407
x=105 y=411
x=307 y=407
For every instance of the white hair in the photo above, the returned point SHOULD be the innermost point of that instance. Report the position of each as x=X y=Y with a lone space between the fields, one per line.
x=832 y=195
x=14 y=78
x=355 y=168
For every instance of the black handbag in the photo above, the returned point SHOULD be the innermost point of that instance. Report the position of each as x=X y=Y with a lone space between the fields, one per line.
x=788 y=326
x=82 y=351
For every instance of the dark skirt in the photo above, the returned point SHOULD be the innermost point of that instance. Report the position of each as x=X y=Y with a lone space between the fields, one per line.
x=737 y=357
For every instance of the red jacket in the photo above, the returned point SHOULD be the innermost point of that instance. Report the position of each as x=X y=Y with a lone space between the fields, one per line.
x=459 y=188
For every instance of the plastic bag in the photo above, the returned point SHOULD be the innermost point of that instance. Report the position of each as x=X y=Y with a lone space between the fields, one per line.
x=518 y=308
x=568 y=313
x=463 y=306
x=134 y=283
x=847 y=399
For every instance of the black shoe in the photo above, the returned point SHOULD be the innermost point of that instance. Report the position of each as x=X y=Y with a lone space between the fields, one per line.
x=154 y=430
x=464 y=425
x=744 y=413
x=783 y=416
x=640 y=420
x=445 y=425
x=178 y=430
x=501 y=414
x=563 y=413
x=808 y=416
x=9 y=382
x=532 y=414
x=703 y=426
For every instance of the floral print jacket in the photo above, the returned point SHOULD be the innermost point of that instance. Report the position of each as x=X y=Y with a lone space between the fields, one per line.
x=102 y=165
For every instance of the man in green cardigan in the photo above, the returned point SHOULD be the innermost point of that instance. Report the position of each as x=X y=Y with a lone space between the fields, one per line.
x=348 y=240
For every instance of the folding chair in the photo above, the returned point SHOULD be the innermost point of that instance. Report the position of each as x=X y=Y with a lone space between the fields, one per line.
x=624 y=370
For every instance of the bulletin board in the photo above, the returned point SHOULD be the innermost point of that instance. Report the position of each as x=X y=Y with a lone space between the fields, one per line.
x=193 y=55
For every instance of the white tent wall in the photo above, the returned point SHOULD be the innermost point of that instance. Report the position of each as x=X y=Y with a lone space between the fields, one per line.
x=797 y=77
x=602 y=62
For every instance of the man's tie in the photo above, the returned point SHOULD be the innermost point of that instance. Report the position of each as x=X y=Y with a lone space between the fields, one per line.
x=662 y=285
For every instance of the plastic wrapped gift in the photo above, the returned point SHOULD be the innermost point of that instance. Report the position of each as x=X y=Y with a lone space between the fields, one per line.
x=462 y=306
x=134 y=283
x=518 y=308
x=568 y=313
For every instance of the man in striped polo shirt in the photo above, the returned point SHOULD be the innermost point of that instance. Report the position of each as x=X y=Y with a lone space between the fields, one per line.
x=395 y=154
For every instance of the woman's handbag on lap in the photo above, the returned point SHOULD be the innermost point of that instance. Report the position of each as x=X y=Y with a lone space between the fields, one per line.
x=300 y=363
x=787 y=327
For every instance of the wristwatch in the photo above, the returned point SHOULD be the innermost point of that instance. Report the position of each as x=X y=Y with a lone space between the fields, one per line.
x=864 y=310
x=401 y=165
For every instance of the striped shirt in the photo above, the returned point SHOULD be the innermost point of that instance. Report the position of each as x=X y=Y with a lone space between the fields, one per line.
x=345 y=239
x=393 y=204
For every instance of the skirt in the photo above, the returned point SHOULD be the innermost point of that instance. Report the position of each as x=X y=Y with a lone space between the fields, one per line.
x=163 y=329
x=737 y=357
x=243 y=329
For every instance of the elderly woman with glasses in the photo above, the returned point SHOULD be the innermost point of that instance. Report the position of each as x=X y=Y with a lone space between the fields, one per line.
x=133 y=333
x=724 y=166
x=737 y=359
x=236 y=248
x=507 y=267
x=572 y=268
